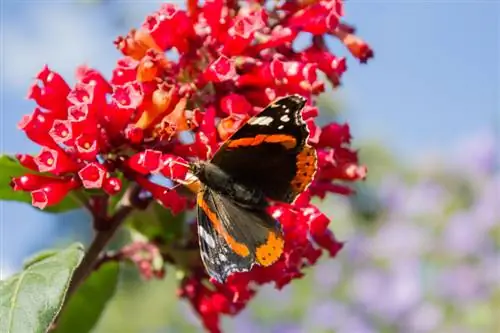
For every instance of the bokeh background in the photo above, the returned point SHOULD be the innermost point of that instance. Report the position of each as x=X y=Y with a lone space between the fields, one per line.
x=422 y=236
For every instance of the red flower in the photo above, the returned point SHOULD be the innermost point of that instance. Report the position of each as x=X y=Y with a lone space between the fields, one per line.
x=157 y=114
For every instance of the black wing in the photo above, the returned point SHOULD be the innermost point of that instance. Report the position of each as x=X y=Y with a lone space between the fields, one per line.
x=232 y=238
x=270 y=151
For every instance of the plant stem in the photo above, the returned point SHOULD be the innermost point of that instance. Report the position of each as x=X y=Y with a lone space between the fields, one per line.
x=102 y=237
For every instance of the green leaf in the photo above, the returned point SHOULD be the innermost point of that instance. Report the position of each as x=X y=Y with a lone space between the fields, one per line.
x=39 y=257
x=157 y=222
x=85 y=307
x=31 y=299
x=12 y=168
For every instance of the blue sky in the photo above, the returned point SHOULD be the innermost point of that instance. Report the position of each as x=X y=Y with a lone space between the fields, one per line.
x=434 y=80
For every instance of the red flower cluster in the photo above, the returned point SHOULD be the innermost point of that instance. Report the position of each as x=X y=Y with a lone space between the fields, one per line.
x=233 y=58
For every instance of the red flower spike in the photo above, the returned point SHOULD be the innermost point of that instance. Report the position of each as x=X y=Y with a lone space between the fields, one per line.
x=92 y=175
x=235 y=103
x=174 y=167
x=154 y=99
x=125 y=71
x=220 y=70
x=112 y=185
x=61 y=131
x=27 y=161
x=55 y=161
x=51 y=194
x=30 y=182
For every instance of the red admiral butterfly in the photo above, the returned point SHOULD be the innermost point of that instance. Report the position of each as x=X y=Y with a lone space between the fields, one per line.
x=266 y=159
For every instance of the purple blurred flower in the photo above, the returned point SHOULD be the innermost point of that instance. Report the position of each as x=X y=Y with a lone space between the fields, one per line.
x=326 y=275
x=367 y=287
x=403 y=290
x=324 y=316
x=462 y=236
x=461 y=284
x=479 y=154
x=425 y=198
x=399 y=240
x=426 y=317
x=286 y=328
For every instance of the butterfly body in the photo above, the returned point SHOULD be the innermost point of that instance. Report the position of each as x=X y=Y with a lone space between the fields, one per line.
x=267 y=159
x=219 y=181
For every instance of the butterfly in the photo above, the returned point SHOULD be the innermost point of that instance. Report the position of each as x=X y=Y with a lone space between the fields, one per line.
x=267 y=159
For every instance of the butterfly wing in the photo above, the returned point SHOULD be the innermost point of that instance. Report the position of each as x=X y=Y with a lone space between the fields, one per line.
x=270 y=151
x=232 y=238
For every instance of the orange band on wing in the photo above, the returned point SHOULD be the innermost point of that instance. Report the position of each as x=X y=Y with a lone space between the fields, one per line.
x=287 y=141
x=270 y=252
x=306 y=168
x=239 y=248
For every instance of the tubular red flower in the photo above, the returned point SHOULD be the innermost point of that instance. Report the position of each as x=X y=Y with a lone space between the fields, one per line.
x=37 y=127
x=92 y=175
x=235 y=103
x=30 y=182
x=27 y=161
x=230 y=125
x=125 y=71
x=52 y=95
x=112 y=185
x=334 y=135
x=358 y=48
x=61 y=131
x=220 y=70
x=174 y=167
x=55 y=161
x=318 y=19
x=87 y=147
x=166 y=197
x=279 y=36
x=51 y=194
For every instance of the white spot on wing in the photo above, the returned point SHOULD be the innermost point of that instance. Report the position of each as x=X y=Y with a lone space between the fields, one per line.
x=222 y=257
x=206 y=237
x=280 y=127
x=264 y=121
x=285 y=118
